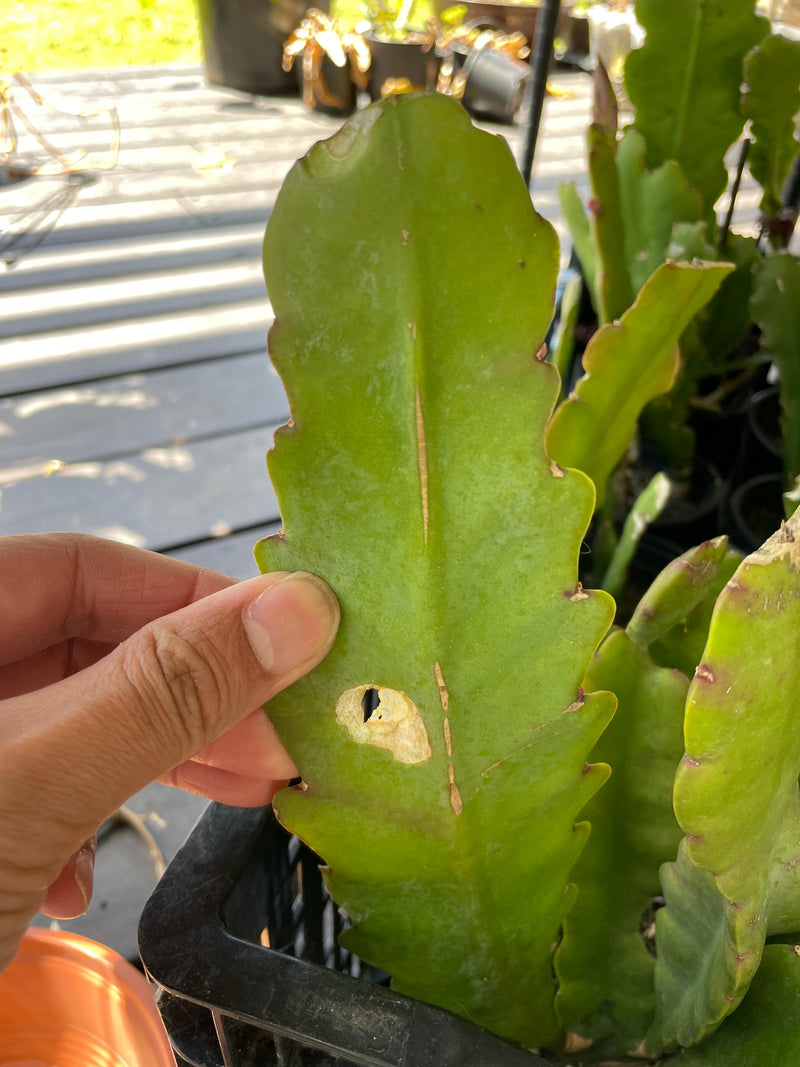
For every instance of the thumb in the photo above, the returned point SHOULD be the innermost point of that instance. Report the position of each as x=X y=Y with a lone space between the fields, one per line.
x=83 y=746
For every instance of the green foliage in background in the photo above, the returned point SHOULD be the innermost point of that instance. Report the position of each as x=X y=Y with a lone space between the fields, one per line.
x=43 y=35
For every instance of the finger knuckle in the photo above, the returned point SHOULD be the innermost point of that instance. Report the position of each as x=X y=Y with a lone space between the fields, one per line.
x=182 y=682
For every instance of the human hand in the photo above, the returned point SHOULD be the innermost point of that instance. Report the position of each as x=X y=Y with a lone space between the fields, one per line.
x=118 y=667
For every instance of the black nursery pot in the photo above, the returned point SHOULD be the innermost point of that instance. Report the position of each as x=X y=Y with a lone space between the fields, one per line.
x=494 y=83
x=243 y=42
x=227 y=1001
x=395 y=60
x=755 y=511
x=340 y=90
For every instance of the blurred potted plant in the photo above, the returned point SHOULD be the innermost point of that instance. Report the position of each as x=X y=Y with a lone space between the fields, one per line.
x=654 y=189
x=243 y=42
x=402 y=42
x=483 y=67
x=332 y=62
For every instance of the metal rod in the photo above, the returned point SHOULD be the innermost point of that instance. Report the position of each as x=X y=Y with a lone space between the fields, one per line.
x=737 y=181
x=542 y=54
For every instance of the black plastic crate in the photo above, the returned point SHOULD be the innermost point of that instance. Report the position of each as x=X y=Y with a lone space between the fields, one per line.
x=228 y=1001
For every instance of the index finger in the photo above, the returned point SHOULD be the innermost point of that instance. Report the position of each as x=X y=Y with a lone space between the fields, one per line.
x=59 y=586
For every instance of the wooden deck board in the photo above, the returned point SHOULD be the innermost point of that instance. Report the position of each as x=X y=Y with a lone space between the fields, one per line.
x=157 y=497
x=117 y=416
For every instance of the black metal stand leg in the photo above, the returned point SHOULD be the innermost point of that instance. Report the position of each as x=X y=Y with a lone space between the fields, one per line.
x=542 y=55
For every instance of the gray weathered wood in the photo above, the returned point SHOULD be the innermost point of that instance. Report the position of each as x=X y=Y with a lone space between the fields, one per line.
x=231 y=555
x=43 y=361
x=158 y=498
x=115 y=418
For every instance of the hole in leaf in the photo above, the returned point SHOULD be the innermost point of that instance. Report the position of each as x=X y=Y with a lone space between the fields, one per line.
x=370 y=702
x=387 y=718
x=647 y=924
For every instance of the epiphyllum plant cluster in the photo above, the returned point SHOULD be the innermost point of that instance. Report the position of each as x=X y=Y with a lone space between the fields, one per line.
x=459 y=735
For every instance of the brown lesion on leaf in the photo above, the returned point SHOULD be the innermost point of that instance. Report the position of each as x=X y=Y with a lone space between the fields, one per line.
x=555 y=470
x=448 y=740
x=404 y=237
x=444 y=696
x=541 y=354
x=577 y=703
x=783 y=545
x=579 y=593
x=575 y=1043
x=456 y=803
x=386 y=718
x=423 y=465
x=703 y=673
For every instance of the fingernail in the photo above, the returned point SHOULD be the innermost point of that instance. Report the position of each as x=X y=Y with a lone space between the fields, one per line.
x=84 y=874
x=292 y=622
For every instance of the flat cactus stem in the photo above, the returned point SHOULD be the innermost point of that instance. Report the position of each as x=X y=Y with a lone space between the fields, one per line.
x=614 y=289
x=776 y=309
x=736 y=798
x=626 y=364
x=693 y=115
x=682 y=646
x=563 y=346
x=770 y=100
x=764 y=1031
x=443 y=743
x=604 y=968
x=651 y=201
x=580 y=233
x=677 y=590
x=646 y=508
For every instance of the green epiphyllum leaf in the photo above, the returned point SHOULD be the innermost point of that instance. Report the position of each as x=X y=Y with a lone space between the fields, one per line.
x=646 y=508
x=771 y=100
x=682 y=646
x=764 y=1031
x=736 y=798
x=564 y=341
x=677 y=590
x=614 y=289
x=727 y=318
x=581 y=235
x=604 y=968
x=776 y=309
x=692 y=114
x=688 y=241
x=652 y=201
x=626 y=364
x=713 y=334
x=708 y=958
x=443 y=742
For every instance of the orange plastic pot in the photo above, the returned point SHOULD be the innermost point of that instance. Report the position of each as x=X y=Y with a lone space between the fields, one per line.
x=70 y=1001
